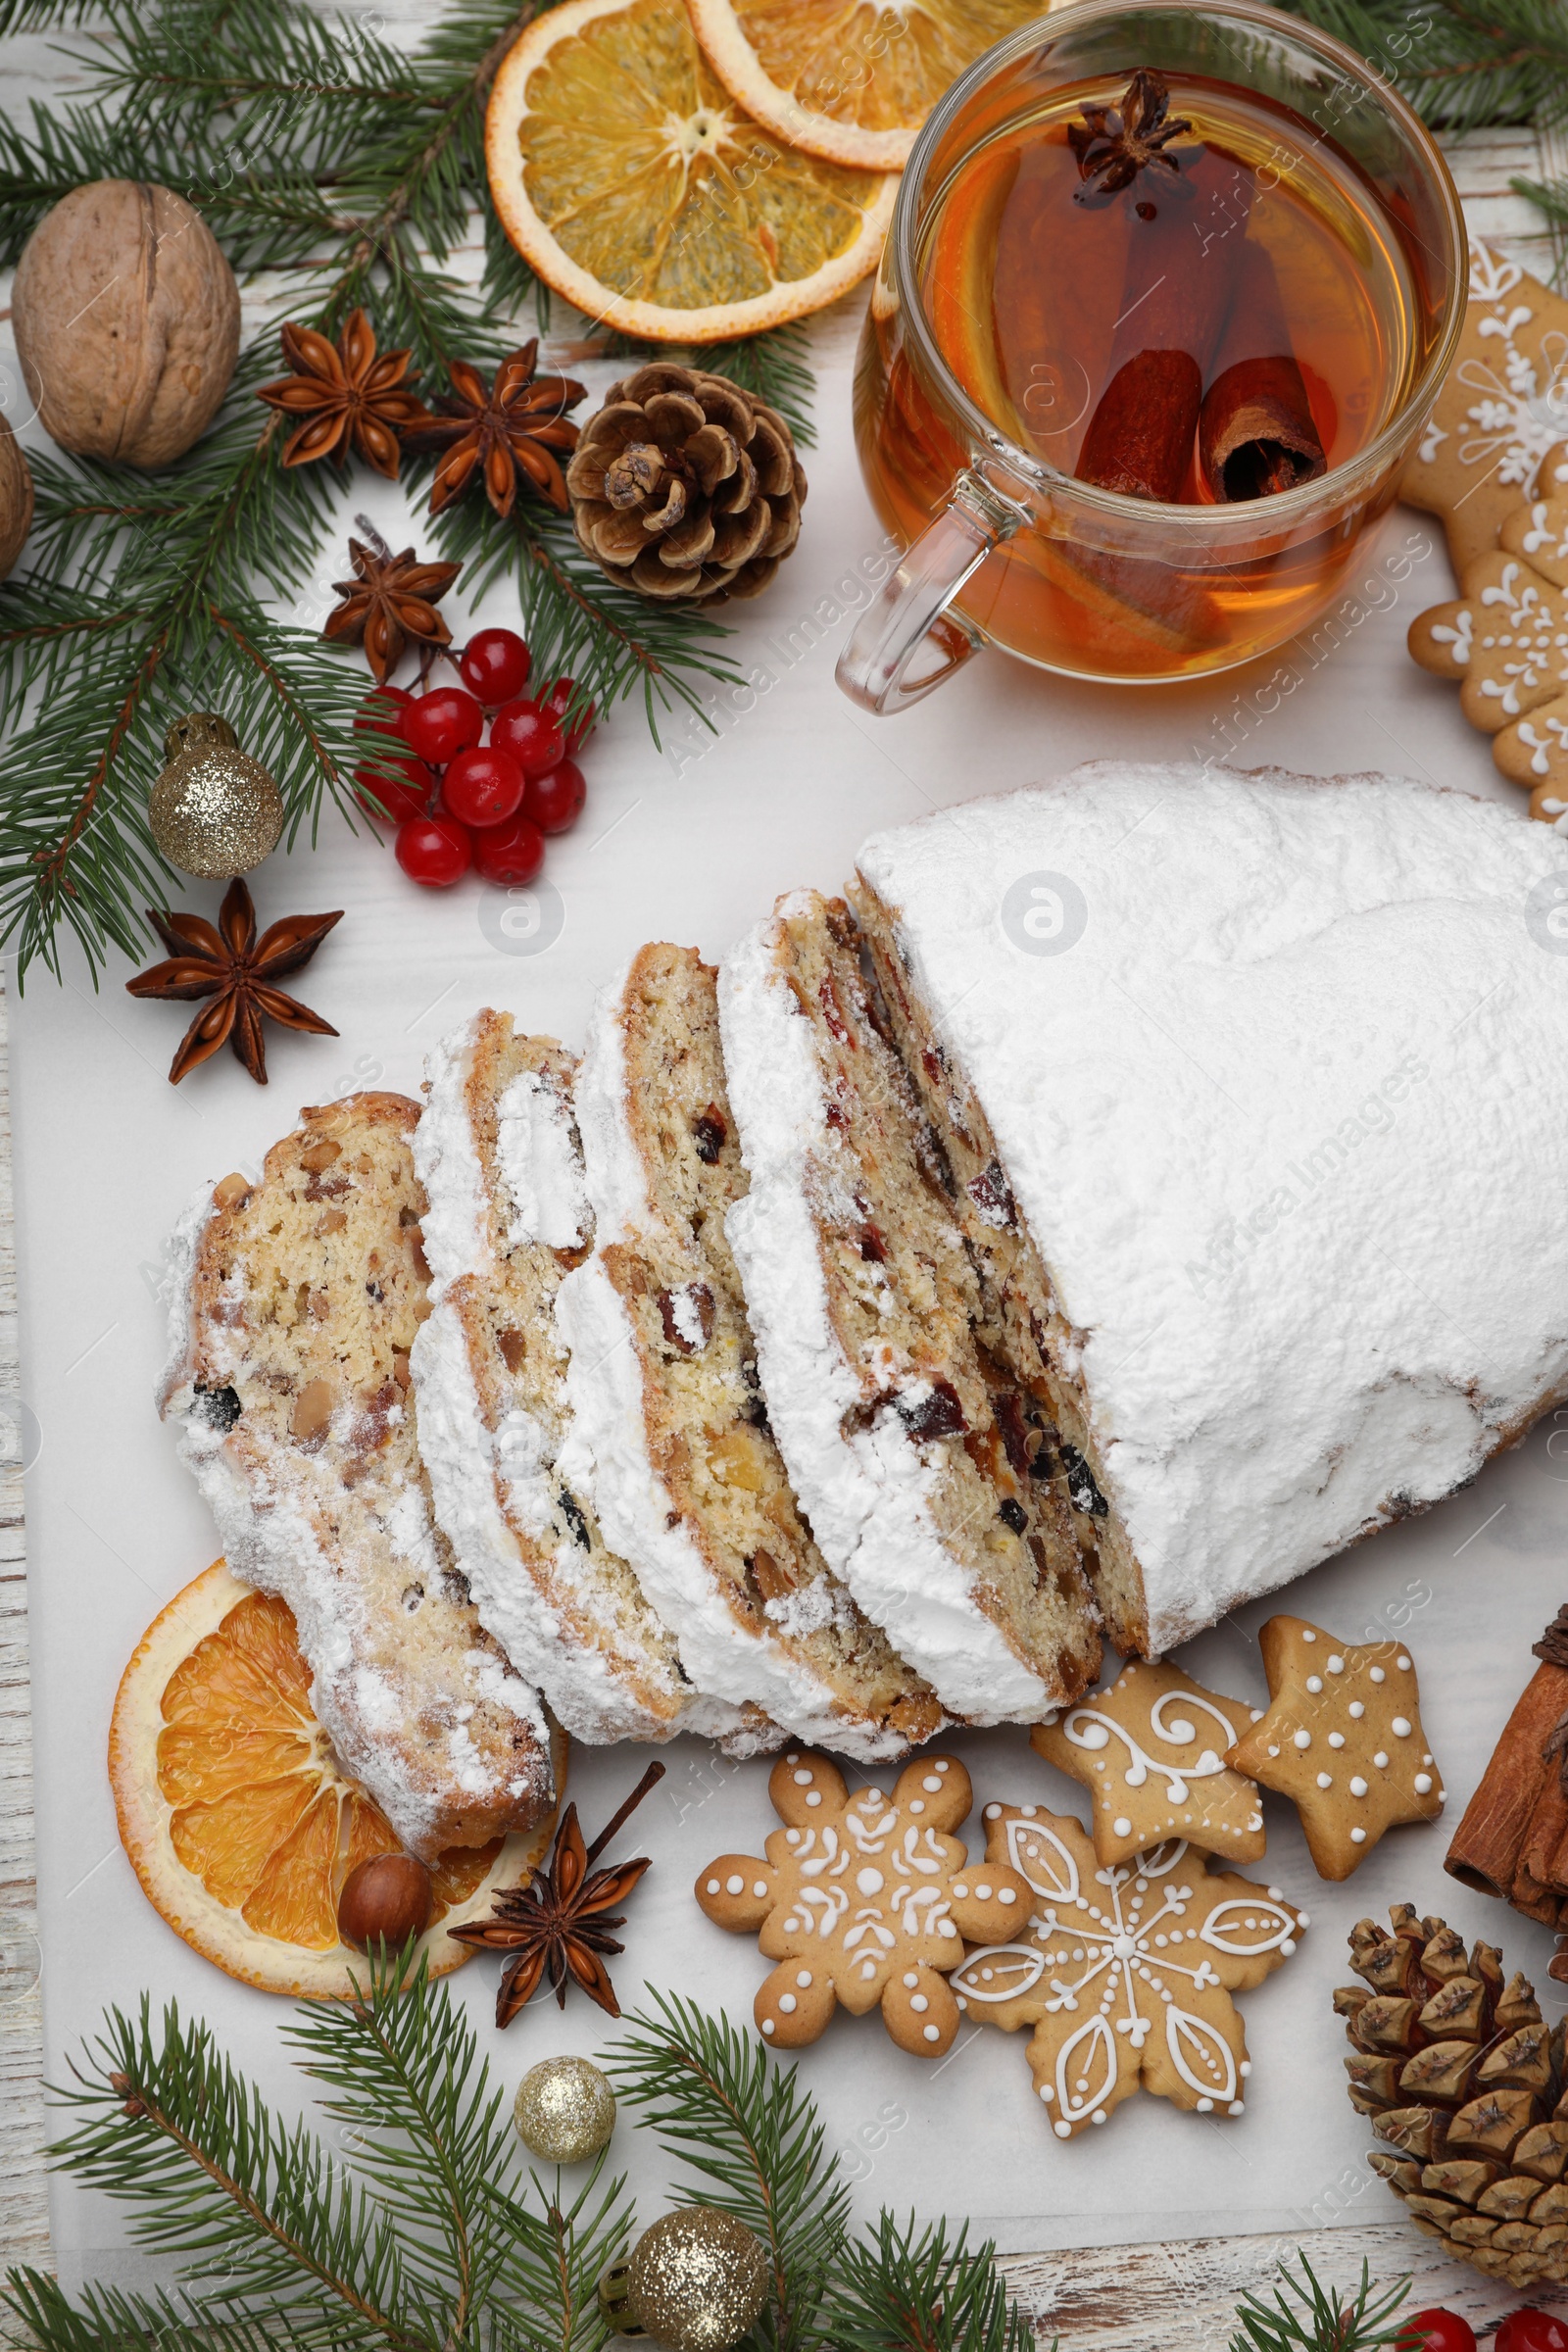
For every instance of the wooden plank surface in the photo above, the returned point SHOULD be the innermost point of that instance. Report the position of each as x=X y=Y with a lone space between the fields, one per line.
x=1178 y=2296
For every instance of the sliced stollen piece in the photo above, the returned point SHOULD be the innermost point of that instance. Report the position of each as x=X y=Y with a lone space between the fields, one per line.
x=295 y=1311
x=1255 y=1085
x=688 y=1479
x=932 y=1481
x=497 y=1154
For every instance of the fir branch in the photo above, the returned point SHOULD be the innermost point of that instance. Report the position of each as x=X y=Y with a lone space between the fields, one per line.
x=1461 y=64
x=722 y=2107
x=898 y=2290
x=1308 y=2317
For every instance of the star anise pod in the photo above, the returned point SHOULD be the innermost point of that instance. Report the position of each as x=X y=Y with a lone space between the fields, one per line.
x=519 y=423
x=560 y=1922
x=237 y=969
x=1113 y=147
x=393 y=598
x=344 y=396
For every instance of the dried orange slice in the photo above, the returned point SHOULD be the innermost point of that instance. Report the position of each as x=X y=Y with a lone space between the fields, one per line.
x=235 y=1815
x=851 y=81
x=630 y=182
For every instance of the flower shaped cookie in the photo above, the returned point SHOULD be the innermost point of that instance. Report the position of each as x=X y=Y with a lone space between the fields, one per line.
x=863 y=1901
x=1125 y=1970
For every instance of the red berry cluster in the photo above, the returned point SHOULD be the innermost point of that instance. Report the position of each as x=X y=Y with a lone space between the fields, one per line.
x=1526 y=2330
x=459 y=802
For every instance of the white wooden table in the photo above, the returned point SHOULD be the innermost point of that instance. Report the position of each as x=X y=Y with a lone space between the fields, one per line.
x=1179 y=2294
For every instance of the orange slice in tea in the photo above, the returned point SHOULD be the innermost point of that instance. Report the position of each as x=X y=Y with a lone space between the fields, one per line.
x=851 y=81
x=238 y=1819
x=631 y=182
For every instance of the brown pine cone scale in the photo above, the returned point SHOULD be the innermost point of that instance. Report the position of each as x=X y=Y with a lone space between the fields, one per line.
x=685 y=487
x=1468 y=2090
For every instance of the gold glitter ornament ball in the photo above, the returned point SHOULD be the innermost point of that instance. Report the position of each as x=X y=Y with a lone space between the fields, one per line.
x=215 y=811
x=697 y=2281
x=565 y=2110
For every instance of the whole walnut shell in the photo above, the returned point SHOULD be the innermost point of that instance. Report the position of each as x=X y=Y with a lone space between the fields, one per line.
x=126 y=320
x=16 y=497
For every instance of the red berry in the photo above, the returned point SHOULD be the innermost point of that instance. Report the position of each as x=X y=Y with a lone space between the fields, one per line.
x=558 y=699
x=554 y=802
x=532 y=735
x=495 y=666
x=381 y=712
x=402 y=794
x=509 y=853
x=482 y=787
x=442 y=723
x=1435 y=2330
x=434 y=850
x=1525 y=2330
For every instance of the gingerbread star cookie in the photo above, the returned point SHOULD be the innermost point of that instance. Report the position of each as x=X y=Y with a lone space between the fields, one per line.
x=1487 y=442
x=1151 y=1751
x=1341 y=1740
x=1126 y=1971
x=862 y=1901
x=1505 y=642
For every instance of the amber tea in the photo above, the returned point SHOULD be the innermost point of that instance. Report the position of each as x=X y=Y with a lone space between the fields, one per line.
x=1169 y=288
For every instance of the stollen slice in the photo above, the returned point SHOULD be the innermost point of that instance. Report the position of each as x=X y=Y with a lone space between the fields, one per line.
x=688 y=1479
x=933 y=1482
x=294 y=1315
x=498 y=1153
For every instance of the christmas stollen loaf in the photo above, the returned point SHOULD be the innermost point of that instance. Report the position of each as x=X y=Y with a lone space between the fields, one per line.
x=295 y=1310
x=1253 y=1087
x=687 y=1478
x=931 y=1479
x=497 y=1154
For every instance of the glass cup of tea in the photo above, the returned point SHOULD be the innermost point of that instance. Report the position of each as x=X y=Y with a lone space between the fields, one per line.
x=1168 y=295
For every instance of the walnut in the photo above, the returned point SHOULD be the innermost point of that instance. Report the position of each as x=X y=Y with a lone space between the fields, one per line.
x=16 y=497
x=126 y=320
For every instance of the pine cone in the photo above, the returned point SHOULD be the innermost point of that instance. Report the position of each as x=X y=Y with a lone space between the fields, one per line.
x=1466 y=2088
x=686 y=488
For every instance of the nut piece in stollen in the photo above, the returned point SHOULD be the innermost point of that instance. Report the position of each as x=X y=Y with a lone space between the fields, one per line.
x=1341 y=1740
x=1151 y=1751
x=1124 y=1972
x=863 y=1901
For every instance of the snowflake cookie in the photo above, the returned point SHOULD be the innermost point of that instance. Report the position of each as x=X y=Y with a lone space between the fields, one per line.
x=1503 y=403
x=1341 y=1740
x=1151 y=1751
x=1505 y=642
x=863 y=1900
x=1124 y=1971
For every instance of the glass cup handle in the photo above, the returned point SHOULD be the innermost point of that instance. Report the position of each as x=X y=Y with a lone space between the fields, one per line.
x=913 y=614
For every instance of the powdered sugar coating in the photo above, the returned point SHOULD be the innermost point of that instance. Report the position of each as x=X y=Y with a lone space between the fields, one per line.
x=1286 y=1123
x=867 y=1493
x=540 y=1166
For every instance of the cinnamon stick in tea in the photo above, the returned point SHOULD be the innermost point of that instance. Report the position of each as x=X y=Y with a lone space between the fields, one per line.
x=1513 y=1840
x=1256 y=434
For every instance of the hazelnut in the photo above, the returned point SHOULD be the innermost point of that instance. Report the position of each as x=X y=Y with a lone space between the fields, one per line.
x=127 y=321
x=385 y=1901
x=16 y=499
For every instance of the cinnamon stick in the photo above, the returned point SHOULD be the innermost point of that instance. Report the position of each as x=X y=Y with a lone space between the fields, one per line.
x=1256 y=434
x=1513 y=1840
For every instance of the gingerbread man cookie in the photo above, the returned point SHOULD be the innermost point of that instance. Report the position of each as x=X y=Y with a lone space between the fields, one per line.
x=1341 y=1740
x=1503 y=406
x=1151 y=1751
x=863 y=1901
x=1124 y=1972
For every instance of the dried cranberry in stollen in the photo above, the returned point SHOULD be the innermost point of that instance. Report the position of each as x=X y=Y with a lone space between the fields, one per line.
x=554 y=802
x=558 y=700
x=532 y=735
x=483 y=786
x=1528 y=2331
x=495 y=666
x=509 y=854
x=385 y=1901
x=441 y=723
x=434 y=850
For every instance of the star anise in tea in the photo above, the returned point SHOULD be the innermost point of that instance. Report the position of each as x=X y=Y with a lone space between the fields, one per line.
x=237 y=971
x=560 y=1922
x=345 y=397
x=1113 y=146
x=496 y=432
x=391 y=601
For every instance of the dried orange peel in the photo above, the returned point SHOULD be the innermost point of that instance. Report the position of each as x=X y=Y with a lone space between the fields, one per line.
x=632 y=183
x=235 y=1816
